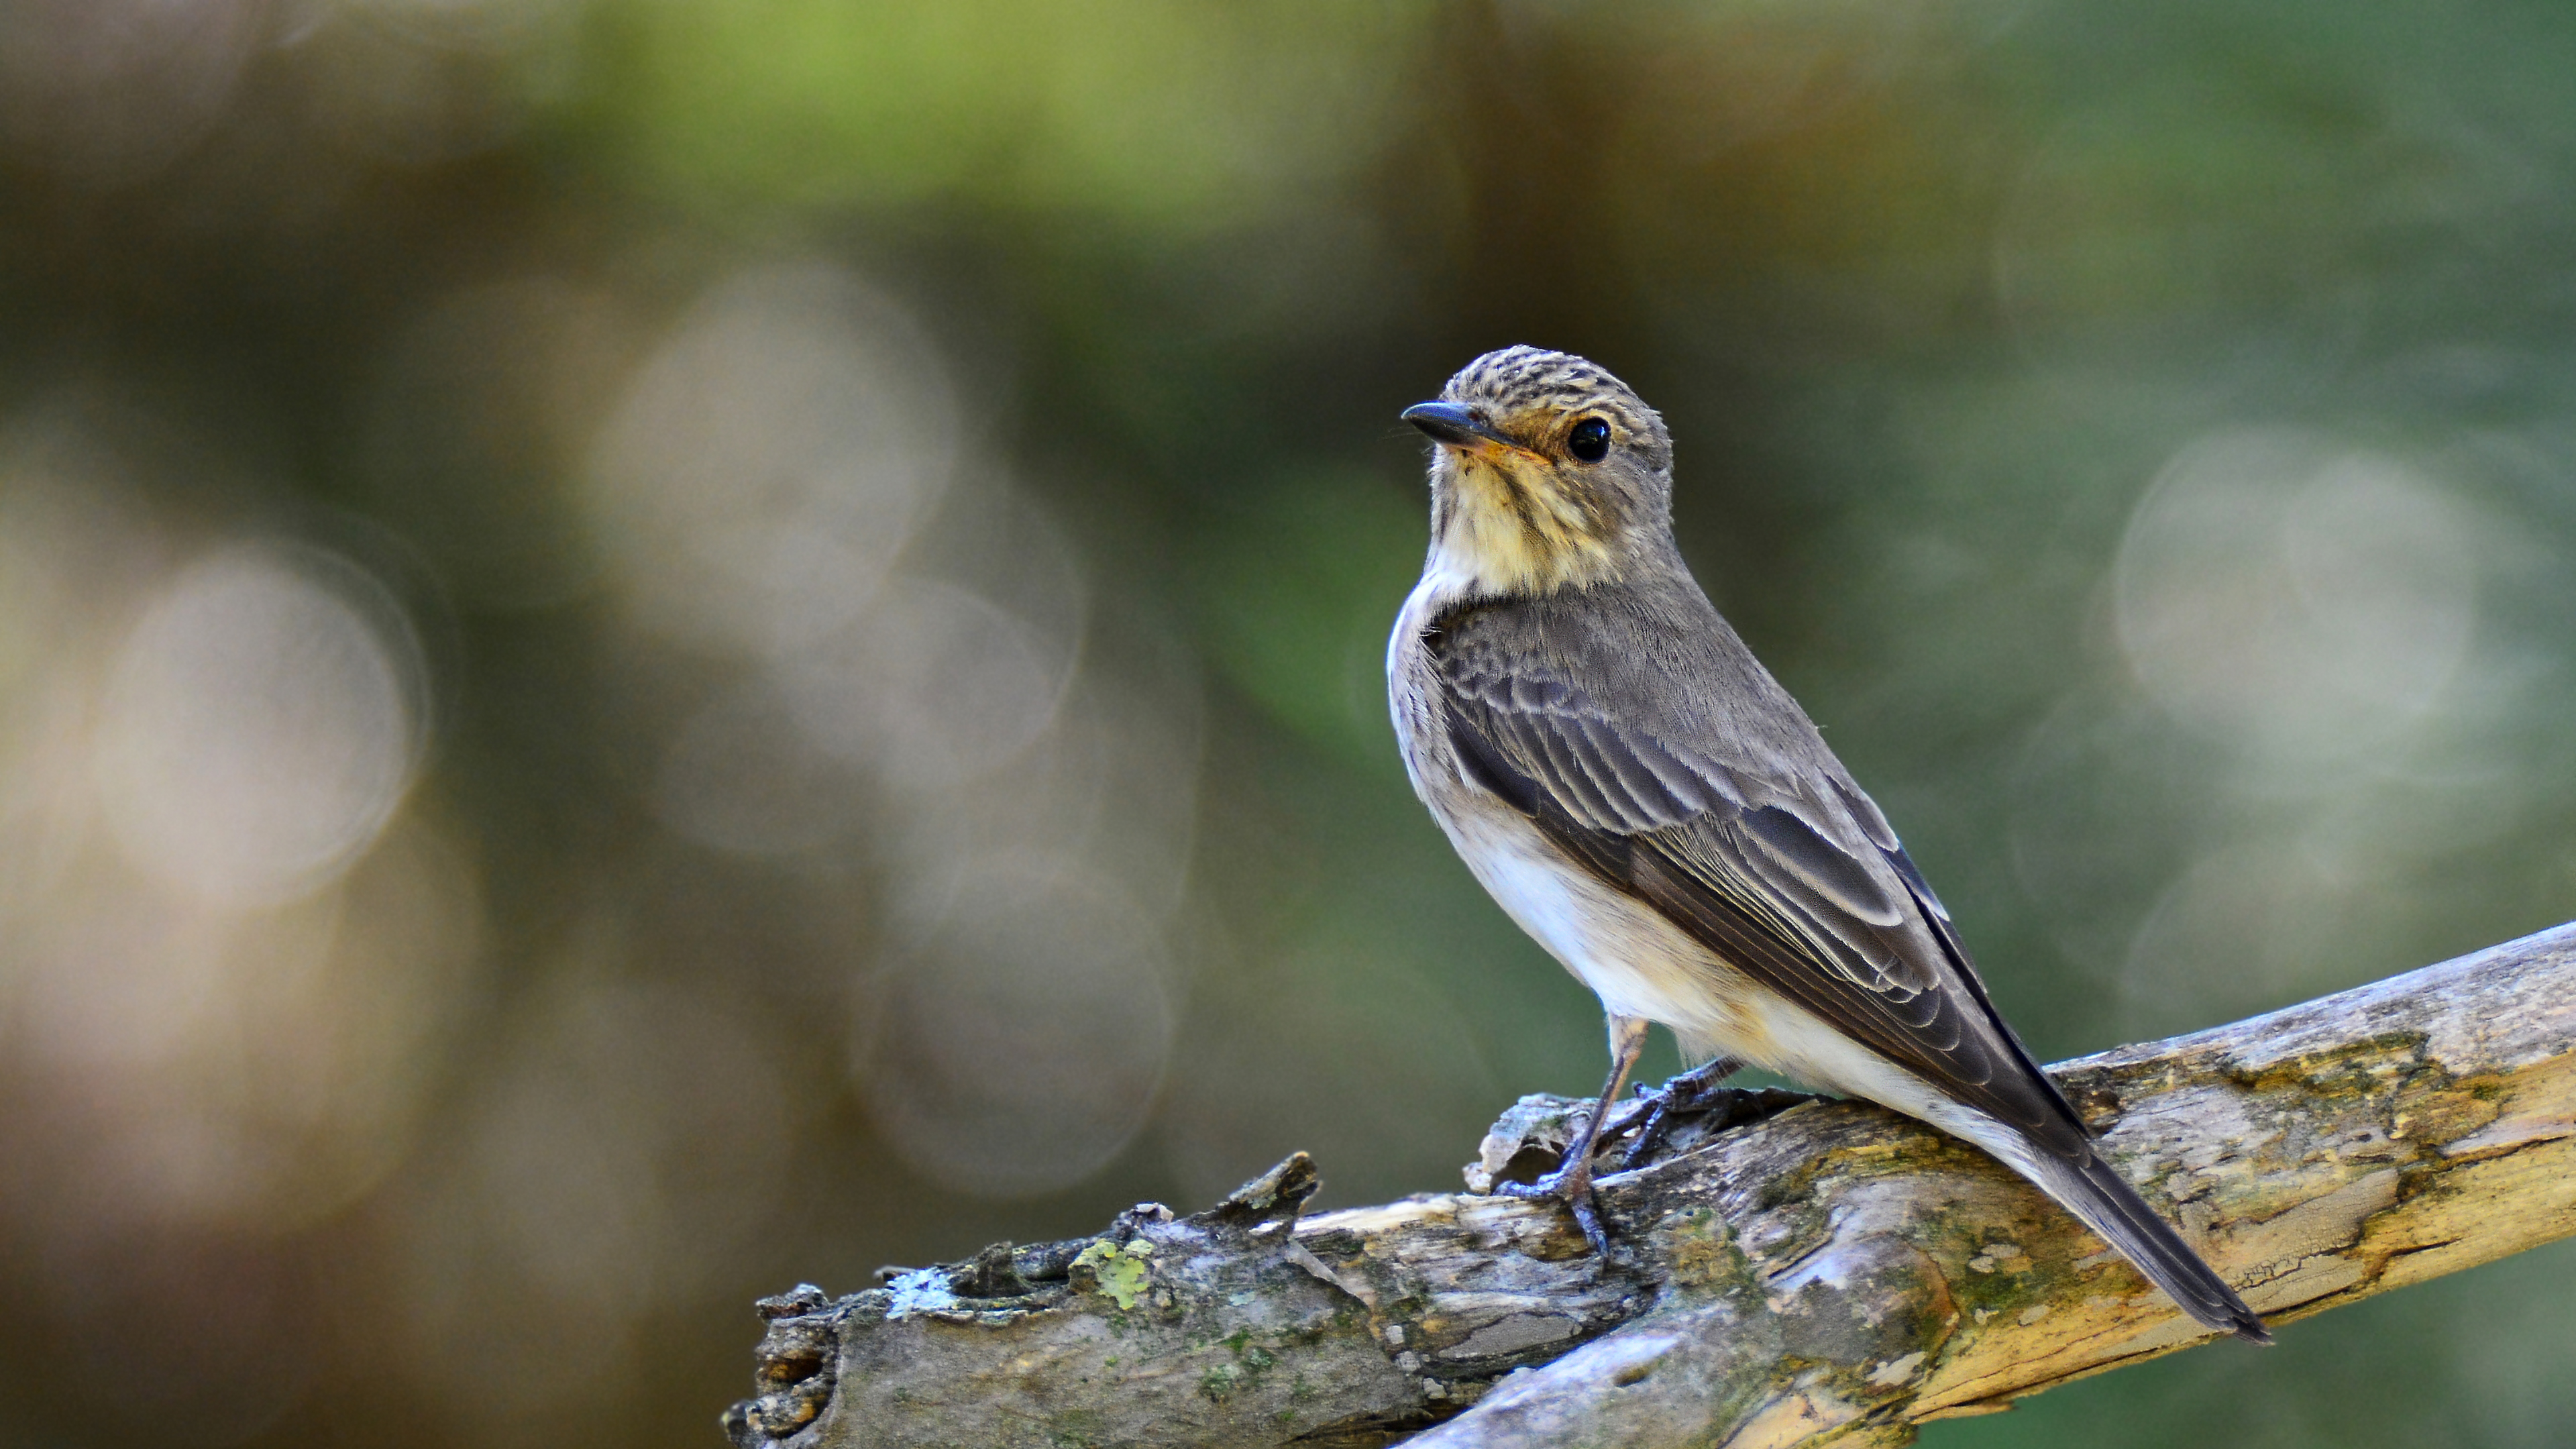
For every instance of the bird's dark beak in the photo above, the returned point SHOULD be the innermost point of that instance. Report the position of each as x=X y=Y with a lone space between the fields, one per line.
x=1451 y=424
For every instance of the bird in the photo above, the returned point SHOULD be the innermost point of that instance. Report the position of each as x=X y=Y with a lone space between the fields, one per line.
x=1641 y=797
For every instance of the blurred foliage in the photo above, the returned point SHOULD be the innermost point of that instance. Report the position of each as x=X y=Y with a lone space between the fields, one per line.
x=1290 y=595
x=651 y=649
x=1154 y=116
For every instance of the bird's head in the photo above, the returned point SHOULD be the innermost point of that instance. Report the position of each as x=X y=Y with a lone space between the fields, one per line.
x=1548 y=473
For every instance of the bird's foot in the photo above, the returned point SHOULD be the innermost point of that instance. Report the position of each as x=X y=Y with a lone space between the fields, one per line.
x=1571 y=1185
x=1701 y=1093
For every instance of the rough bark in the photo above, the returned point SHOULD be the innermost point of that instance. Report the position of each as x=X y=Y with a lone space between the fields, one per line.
x=1830 y=1271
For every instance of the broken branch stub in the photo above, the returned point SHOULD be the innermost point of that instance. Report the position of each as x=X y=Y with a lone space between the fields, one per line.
x=1830 y=1270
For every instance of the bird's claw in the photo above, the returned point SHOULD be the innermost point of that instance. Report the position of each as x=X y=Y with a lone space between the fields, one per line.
x=1687 y=1095
x=1571 y=1185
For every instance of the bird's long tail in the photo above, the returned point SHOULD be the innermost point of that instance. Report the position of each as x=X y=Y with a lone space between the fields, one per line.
x=2106 y=1203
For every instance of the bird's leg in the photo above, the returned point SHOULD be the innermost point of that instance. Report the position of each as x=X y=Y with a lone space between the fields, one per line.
x=1692 y=1092
x=1572 y=1180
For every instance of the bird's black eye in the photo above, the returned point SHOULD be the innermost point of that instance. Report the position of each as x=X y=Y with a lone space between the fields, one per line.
x=1590 y=440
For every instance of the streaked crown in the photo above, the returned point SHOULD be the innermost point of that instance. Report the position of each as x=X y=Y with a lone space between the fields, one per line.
x=1524 y=388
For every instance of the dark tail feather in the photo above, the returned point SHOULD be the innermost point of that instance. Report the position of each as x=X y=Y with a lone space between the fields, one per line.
x=2109 y=1206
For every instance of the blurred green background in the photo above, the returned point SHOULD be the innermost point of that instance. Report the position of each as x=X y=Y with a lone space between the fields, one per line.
x=649 y=649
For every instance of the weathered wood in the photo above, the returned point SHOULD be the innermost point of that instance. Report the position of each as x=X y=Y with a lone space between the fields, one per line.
x=1831 y=1271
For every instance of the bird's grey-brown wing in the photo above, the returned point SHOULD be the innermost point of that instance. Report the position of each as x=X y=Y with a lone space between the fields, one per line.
x=1778 y=865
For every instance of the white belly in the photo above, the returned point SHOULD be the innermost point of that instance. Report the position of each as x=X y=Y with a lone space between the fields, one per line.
x=1637 y=962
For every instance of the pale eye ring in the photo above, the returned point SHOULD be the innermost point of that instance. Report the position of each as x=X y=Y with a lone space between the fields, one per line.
x=1589 y=441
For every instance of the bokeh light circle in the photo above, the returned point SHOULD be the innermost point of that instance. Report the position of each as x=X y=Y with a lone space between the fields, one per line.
x=1020 y=1045
x=259 y=725
x=2293 y=594
x=938 y=686
x=771 y=459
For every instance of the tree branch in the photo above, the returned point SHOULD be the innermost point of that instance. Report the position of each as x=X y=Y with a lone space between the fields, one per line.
x=1833 y=1270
